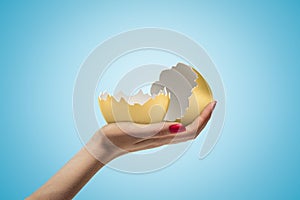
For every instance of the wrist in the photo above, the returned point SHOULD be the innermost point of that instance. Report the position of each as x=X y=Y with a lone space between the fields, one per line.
x=102 y=149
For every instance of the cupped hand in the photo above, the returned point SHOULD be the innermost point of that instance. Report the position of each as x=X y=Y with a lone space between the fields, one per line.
x=116 y=139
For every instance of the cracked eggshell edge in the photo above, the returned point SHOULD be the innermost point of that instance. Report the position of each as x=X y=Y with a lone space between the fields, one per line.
x=153 y=109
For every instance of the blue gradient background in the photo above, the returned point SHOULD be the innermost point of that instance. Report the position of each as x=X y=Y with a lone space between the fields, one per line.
x=255 y=46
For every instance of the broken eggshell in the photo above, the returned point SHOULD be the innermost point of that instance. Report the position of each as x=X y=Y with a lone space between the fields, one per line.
x=140 y=108
x=189 y=93
x=180 y=95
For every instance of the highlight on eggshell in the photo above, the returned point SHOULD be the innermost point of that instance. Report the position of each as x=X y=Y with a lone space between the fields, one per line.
x=180 y=95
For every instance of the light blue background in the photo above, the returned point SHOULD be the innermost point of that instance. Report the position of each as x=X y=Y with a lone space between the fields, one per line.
x=255 y=46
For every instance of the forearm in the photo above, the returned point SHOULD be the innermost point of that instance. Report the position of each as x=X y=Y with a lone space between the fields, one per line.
x=67 y=182
x=110 y=142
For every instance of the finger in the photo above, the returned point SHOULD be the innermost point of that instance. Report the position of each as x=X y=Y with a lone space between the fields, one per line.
x=162 y=138
x=165 y=136
x=200 y=122
x=143 y=131
x=207 y=113
x=144 y=147
x=192 y=130
x=153 y=143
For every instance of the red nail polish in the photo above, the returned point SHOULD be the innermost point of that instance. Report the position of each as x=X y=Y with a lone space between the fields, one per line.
x=175 y=128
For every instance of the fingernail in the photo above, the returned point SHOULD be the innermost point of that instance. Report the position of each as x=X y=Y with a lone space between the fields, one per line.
x=176 y=128
x=215 y=103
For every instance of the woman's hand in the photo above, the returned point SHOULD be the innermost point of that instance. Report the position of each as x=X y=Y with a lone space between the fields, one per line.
x=110 y=142
x=120 y=138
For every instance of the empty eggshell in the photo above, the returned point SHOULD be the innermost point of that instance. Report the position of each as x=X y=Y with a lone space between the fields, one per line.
x=180 y=94
x=189 y=93
x=140 y=108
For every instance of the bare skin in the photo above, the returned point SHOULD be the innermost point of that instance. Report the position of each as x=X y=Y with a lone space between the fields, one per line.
x=108 y=143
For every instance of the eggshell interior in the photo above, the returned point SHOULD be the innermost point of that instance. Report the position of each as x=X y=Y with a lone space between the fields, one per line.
x=180 y=94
